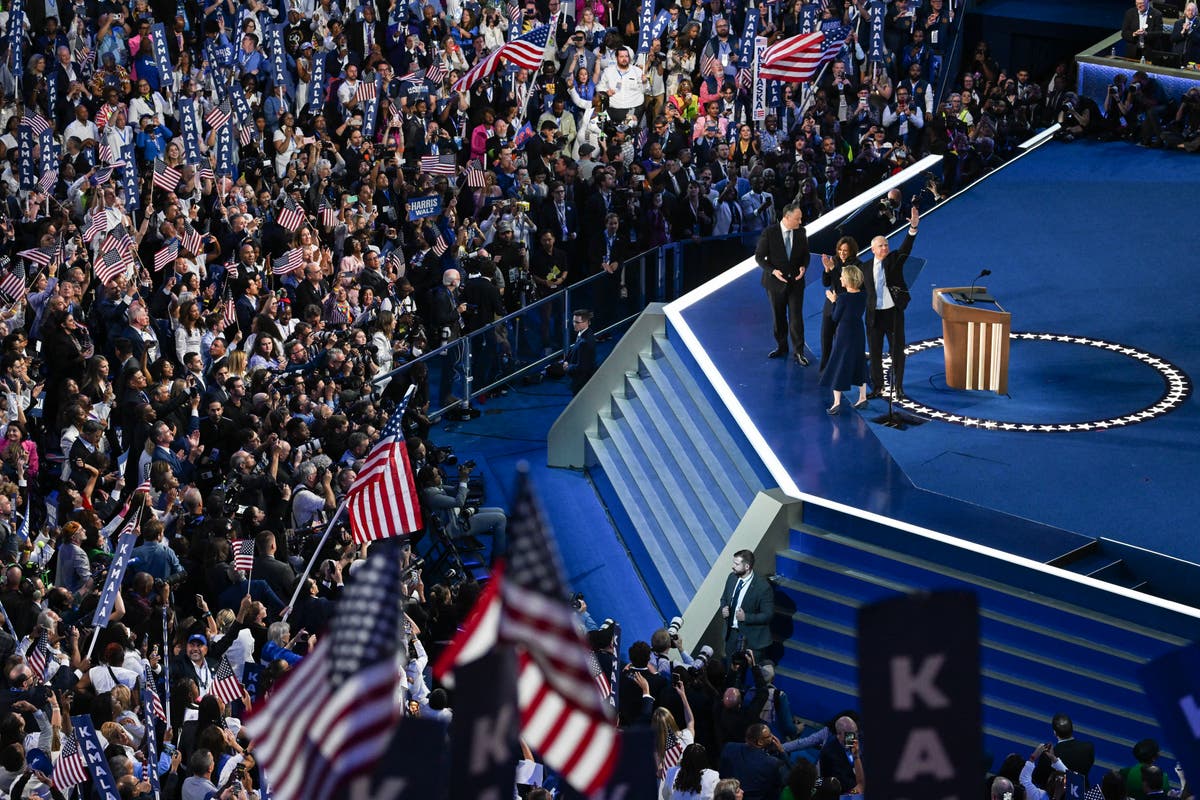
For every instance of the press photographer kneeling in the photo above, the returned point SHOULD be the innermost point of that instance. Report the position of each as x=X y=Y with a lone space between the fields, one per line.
x=452 y=512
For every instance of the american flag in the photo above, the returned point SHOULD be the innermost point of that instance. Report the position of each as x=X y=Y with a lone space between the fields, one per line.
x=563 y=716
x=290 y=261
x=439 y=165
x=118 y=239
x=291 y=216
x=48 y=180
x=328 y=215
x=156 y=705
x=106 y=154
x=601 y=679
x=111 y=264
x=231 y=270
x=192 y=241
x=96 y=225
x=38 y=656
x=12 y=285
x=246 y=134
x=219 y=116
x=226 y=685
x=40 y=255
x=383 y=498
x=101 y=176
x=243 y=554
x=515 y=13
x=673 y=753
x=415 y=75
x=709 y=64
x=524 y=51
x=436 y=73
x=439 y=244
x=165 y=177
x=336 y=712
x=166 y=255
x=367 y=90
x=35 y=121
x=229 y=310
x=204 y=173
x=70 y=770
x=798 y=58
x=104 y=113
x=475 y=177
x=395 y=261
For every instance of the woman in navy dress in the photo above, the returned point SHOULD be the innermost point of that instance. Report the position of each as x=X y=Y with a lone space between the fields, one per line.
x=847 y=365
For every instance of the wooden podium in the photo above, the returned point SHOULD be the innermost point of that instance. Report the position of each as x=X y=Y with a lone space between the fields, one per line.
x=976 y=335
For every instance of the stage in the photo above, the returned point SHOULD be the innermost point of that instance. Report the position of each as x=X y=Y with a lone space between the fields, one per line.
x=1088 y=245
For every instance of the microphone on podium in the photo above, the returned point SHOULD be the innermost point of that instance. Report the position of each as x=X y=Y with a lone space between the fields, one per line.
x=971 y=294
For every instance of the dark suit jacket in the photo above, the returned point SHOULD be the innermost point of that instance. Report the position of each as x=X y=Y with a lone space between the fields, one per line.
x=279 y=575
x=1077 y=755
x=834 y=763
x=632 y=707
x=758 y=604
x=893 y=271
x=581 y=359
x=1154 y=23
x=760 y=773
x=771 y=254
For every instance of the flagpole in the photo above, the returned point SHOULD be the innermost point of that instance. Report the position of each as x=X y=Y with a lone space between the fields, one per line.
x=166 y=662
x=308 y=569
x=811 y=89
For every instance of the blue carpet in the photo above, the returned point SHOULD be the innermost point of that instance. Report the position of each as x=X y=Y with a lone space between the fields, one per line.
x=513 y=429
x=1087 y=240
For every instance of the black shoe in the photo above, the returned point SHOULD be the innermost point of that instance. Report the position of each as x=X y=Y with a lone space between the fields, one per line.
x=833 y=410
x=900 y=395
x=874 y=395
x=861 y=404
x=778 y=352
x=801 y=360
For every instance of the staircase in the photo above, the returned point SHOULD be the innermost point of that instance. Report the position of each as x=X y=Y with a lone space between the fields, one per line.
x=1039 y=655
x=674 y=478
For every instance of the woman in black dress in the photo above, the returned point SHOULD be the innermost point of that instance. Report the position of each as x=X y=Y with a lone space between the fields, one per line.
x=847 y=364
x=845 y=252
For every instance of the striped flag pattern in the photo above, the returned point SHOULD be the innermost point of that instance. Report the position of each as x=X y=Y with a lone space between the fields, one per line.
x=475 y=176
x=38 y=657
x=156 y=706
x=165 y=177
x=672 y=755
x=439 y=165
x=382 y=501
x=395 y=261
x=337 y=710
x=48 y=180
x=563 y=716
x=290 y=261
x=439 y=245
x=192 y=241
x=798 y=58
x=70 y=770
x=226 y=685
x=12 y=285
x=229 y=310
x=328 y=215
x=524 y=51
x=219 y=115
x=35 y=121
x=243 y=554
x=291 y=216
x=246 y=134
x=41 y=256
x=166 y=255
x=111 y=264
x=367 y=90
x=436 y=73
x=708 y=64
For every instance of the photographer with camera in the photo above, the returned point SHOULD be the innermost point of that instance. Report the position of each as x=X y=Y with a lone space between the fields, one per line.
x=1078 y=117
x=452 y=513
x=312 y=496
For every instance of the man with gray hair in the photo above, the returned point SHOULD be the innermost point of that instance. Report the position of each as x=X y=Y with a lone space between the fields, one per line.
x=199 y=785
x=446 y=313
x=1002 y=789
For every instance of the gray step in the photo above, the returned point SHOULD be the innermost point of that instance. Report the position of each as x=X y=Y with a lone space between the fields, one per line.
x=643 y=519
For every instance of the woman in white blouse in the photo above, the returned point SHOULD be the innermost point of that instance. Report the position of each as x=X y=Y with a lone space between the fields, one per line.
x=691 y=779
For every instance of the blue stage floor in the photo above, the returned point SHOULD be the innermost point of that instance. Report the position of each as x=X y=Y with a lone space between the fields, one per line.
x=1091 y=247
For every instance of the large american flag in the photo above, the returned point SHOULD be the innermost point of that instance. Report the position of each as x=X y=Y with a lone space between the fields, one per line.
x=445 y=164
x=12 y=285
x=166 y=255
x=524 y=51
x=225 y=683
x=795 y=59
x=337 y=710
x=290 y=261
x=70 y=770
x=563 y=716
x=383 y=498
x=156 y=705
x=35 y=121
x=111 y=264
x=165 y=177
x=38 y=656
x=291 y=216
x=243 y=554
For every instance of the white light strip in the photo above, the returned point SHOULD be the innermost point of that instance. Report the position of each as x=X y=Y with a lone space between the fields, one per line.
x=674 y=314
x=821 y=223
x=1044 y=136
x=997 y=346
x=969 y=383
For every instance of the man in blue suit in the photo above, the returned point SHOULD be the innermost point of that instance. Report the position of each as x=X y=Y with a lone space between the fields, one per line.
x=184 y=469
x=758 y=763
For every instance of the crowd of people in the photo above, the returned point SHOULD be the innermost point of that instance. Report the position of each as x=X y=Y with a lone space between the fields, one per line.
x=219 y=246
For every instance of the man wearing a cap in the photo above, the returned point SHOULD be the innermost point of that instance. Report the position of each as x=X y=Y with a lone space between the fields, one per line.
x=194 y=663
x=541 y=148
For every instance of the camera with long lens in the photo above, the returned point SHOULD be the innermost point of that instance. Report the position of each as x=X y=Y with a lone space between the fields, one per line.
x=673 y=629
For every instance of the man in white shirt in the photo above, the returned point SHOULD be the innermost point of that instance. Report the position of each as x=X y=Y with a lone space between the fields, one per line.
x=624 y=84
x=82 y=128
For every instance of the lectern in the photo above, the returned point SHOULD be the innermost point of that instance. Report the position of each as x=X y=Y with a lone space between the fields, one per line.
x=976 y=332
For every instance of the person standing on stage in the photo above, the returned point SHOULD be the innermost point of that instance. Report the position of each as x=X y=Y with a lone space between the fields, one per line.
x=782 y=253
x=846 y=252
x=887 y=297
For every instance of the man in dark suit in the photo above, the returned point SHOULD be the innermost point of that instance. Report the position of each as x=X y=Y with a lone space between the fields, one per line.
x=747 y=605
x=361 y=36
x=1078 y=755
x=782 y=253
x=580 y=363
x=279 y=575
x=1139 y=21
x=887 y=297
x=640 y=689
x=758 y=763
x=840 y=754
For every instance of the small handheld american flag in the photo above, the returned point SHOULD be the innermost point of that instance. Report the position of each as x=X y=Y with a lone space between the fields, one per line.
x=70 y=770
x=226 y=685
x=383 y=498
x=166 y=256
x=38 y=657
x=290 y=261
x=165 y=177
x=243 y=555
x=219 y=116
x=444 y=164
x=291 y=216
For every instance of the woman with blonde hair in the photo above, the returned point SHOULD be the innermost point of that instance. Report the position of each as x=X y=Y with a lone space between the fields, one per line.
x=669 y=740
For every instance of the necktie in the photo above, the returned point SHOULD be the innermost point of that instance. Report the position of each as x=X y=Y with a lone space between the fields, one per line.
x=787 y=243
x=737 y=596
